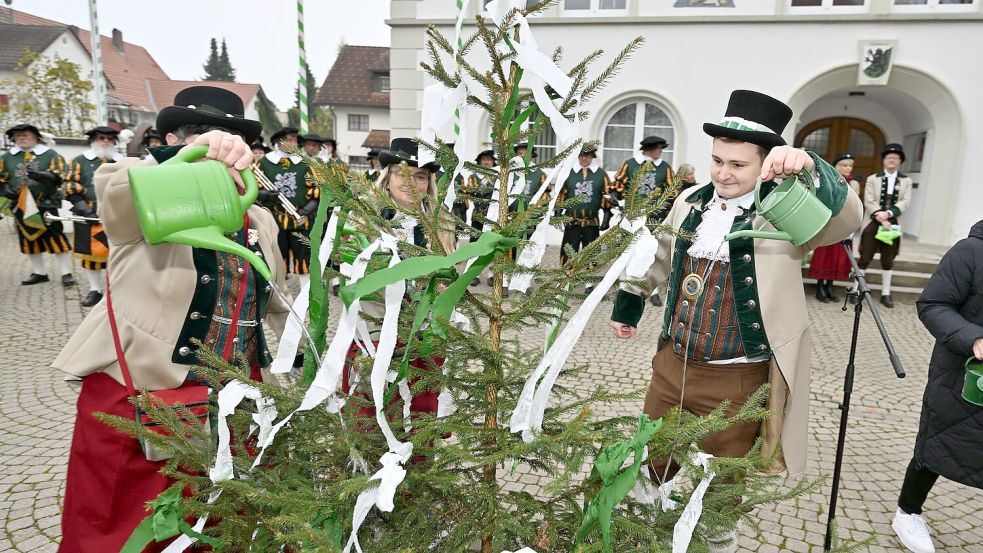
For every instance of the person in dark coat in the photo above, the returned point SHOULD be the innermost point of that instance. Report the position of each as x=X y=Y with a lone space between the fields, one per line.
x=948 y=443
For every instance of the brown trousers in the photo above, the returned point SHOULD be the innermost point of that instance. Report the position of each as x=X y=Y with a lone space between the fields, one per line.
x=870 y=245
x=706 y=386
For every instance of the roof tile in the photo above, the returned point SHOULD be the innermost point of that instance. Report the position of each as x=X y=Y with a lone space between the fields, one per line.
x=350 y=81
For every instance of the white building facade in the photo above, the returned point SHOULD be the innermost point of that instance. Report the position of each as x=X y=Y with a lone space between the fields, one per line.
x=808 y=53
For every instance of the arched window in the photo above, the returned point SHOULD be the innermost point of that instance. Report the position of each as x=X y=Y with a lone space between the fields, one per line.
x=628 y=125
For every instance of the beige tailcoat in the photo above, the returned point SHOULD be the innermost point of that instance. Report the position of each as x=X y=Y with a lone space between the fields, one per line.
x=778 y=268
x=152 y=288
x=872 y=194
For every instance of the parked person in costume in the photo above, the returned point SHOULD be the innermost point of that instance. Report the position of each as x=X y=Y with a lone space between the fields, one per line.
x=948 y=442
x=886 y=197
x=164 y=298
x=91 y=244
x=375 y=168
x=258 y=149
x=534 y=179
x=480 y=188
x=830 y=262
x=151 y=139
x=413 y=188
x=30 y=177
x=330 y=152
x=735 y=315
x=314 y=146
x=289 y=172
x=591 y=185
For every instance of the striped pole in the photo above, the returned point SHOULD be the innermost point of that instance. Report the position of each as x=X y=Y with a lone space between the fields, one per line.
x=302 y=81
x=102 y=110
x=459 y=43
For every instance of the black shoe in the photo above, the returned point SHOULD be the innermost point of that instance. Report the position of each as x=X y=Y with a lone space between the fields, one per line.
x=491 y=281
x=829 y=292
x=67 y=280
x=821 y=292
x=656 y=300
x=35 y=279
x=92 y=298
x=887 y=302
x=475 y=281
x=588 y=290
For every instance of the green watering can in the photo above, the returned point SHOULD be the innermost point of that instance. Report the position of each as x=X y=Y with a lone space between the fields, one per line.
x=195 y=204
x=792 y=209
x=973 y=385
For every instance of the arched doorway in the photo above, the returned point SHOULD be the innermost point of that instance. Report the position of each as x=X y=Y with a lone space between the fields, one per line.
x=833 y=135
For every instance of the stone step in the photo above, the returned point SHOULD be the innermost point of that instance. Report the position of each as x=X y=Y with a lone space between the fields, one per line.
x=899 y=278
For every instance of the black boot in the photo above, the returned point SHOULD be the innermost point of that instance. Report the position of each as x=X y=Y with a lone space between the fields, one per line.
x=821 y=292
x=67 y=280
x=35 y=279
x=656 y=300
x=829 y=292
x=92 y=298
x=887 y=302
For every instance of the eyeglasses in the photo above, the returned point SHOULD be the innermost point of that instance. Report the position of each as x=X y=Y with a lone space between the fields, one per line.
x=421 y=178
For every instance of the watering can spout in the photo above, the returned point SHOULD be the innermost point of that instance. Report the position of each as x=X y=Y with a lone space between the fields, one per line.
x=763 y=234
x=213 y=239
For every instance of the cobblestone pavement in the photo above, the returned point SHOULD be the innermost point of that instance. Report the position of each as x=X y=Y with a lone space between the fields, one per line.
x=37 y=409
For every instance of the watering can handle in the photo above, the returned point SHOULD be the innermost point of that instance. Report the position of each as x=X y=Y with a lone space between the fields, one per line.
x=187 y=155
x=809 y=186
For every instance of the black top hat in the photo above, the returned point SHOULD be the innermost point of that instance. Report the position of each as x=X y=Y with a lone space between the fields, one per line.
x=840 y=157
x=284 y=131
x=313 y=138
x=24 y=127
x=404 y=149
x=372 y=153
x=650 y=142
x=752 y=117
x=483 y=153
x=893 y=148
x=208 y=105
x=589 y=149
x=258 y=145
x=108 y=131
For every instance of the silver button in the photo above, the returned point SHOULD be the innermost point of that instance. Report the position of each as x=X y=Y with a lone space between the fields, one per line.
x=241 y=270
x=679 y=346
x=755 y=326
x=235 y=340
x=221 y=268
x=195 y=315
x=682 y=325
x=266 y=352
x=713 y=311
x=716 y=288
x=685 y=303
x=705 y=359
x=184 y=351
x=269 y=288
x=259 y=253
x=751 y=303
x=707 y=334
x=205 y=279
x=748 y=280
x=762 y=347
x=747 y=258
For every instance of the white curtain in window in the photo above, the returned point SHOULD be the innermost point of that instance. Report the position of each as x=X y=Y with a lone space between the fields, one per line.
x=628 y=126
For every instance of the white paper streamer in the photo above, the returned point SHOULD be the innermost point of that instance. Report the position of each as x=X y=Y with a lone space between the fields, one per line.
x=445 y=401
x=389 y=476
x=328 y=375
x=293 y=331
x=528 y=415
x=523 y=550
x=682 y=533
x=228 y=399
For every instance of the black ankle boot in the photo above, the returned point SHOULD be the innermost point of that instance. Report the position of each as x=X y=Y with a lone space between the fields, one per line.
x=829 y=292
x=821 y=292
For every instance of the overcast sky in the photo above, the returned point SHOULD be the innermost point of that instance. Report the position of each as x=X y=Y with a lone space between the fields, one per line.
x=261 y=34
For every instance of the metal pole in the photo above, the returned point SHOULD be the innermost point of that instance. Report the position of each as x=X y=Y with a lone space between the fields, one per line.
x=302 y=80
x=102 y=110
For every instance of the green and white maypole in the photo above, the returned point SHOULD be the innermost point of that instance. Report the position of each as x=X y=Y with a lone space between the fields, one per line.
x=102 y=110
x=302 y=75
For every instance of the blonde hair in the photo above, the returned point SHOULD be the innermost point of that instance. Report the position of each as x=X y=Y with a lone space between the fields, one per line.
x=427 y=205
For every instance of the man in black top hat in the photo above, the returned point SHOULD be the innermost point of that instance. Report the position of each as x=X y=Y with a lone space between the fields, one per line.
x=291 y=175
x=735 y=315
x=91 y=245
x=30 y=177
x=886 y=196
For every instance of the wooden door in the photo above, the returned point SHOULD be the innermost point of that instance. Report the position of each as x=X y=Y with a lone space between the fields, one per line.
x=834 y=135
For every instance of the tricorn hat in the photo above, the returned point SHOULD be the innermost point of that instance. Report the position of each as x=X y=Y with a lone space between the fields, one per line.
x=283 y=131
x=893 y=148
x=404 y=150
x=752 y=117
x=108 y=131
x=840 y=157
x=24 y=127
x=652 y=142
x=208 y=105
x=483 y=153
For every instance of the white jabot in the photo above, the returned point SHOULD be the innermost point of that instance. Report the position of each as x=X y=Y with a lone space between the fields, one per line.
x=642 y=158
x=717 y=222
x=276 y=155
x=91 y=154
x=892 y=178
x=37 y=150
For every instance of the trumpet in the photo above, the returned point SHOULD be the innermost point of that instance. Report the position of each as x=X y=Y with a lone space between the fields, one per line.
x=265 y=183
x=49 y=217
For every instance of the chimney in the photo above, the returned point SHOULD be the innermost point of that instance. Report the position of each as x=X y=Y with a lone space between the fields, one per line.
x=118 y=40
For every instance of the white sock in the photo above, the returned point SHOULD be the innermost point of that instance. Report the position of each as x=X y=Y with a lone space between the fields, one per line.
x=886 y=283
x=37 y=264
x=96 y=280
x=304 y=279
x=64 y=262
x=335 y=280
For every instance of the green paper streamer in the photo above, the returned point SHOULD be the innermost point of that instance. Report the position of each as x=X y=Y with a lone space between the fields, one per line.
x=616 y=483
x=163 y=523
x=317 y=304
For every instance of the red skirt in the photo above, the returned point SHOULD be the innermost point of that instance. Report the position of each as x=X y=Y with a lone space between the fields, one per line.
x=109 y=479
x=422 y=402
x=830 y=263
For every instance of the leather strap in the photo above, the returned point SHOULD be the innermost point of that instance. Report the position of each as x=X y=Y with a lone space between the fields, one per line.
x=119 y=348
